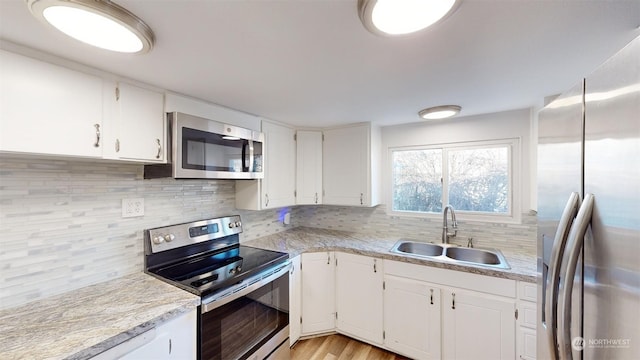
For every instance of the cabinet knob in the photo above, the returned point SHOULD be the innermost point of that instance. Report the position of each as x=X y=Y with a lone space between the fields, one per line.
x=97 y=143
x=159 y=149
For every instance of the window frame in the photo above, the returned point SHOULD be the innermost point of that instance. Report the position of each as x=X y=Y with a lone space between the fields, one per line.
x=514 y=175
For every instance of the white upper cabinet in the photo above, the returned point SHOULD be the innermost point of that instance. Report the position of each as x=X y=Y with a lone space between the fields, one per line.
x=351 y=157
x=277 y=189
x=49 y=109
x=308 y=167
x=140 y=124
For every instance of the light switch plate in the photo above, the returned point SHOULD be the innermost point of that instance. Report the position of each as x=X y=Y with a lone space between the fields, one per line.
x=132 y=207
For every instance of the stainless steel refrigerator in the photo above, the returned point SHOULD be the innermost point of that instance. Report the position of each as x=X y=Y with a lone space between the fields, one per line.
x=589 y=216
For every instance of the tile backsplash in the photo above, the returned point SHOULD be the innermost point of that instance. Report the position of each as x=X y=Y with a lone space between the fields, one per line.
x=63 y=228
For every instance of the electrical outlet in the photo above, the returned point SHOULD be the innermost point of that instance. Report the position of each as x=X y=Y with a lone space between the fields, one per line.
x=132 y=207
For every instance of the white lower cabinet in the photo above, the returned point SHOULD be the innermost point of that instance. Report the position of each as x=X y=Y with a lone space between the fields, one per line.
x=295 y=300
x=359 y=297
x=527 y=321
x=477 y=326
x=412 y=317
x=417 y=311
x=318 y=293
x=173 y=340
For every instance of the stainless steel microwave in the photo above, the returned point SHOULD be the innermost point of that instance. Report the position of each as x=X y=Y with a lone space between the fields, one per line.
x=207 y=149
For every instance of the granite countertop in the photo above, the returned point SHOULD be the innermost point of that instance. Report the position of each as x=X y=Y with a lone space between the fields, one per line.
x=88 y=321
x=303 y=239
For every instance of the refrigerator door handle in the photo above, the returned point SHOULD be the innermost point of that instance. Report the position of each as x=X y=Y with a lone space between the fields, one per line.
x=550 y=299
x=568 y=271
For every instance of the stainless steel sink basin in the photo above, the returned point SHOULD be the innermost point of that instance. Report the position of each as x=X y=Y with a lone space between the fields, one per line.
x=417 y=248
x=451 y=253
x=473 y=255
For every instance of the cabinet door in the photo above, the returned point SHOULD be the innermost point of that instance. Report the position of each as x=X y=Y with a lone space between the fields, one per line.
x=278 y=185
x=477 y=326
x=318 y=292
x=308 y=167
x=359 y=296
x=345 y=166
x=295 y=303
x=412 y=317
x=48 y=109
x=527 y=343
x=141 y=124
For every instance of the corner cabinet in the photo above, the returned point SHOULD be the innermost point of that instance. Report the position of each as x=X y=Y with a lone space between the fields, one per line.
x=359 y=297
x=49 y=109
x=308 y=167
x=277 y=188
x=351 y=162
x=318 y=293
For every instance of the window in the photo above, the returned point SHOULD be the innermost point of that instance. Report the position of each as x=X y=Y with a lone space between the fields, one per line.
x=475 y=178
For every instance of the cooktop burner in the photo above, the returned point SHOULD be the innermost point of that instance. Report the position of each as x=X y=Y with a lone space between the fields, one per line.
x=209 y=272
x=205 y=256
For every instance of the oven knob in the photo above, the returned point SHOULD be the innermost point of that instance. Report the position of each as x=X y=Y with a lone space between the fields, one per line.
x=238 y=224
x=232 y=271
x=232 y=225
x=158 y=239
x=169 y=237
x=238 y=269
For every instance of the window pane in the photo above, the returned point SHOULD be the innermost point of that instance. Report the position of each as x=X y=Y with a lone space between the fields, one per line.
x=479 y=179
x=416 y=180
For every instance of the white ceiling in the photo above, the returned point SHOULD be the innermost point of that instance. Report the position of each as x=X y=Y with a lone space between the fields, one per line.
x=312 y=63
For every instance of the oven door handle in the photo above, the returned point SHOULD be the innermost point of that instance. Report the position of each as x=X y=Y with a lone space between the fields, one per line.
x=247 y=286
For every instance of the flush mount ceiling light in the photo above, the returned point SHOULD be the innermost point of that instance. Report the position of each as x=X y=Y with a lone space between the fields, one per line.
x=439 y=112
x=100 y=23
x=399 y=17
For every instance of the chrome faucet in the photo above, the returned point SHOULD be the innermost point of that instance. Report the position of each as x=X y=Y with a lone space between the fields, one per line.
x=445 y=228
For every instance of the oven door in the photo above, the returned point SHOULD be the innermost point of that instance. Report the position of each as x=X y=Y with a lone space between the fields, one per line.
x=247 y=323
x=208 y=149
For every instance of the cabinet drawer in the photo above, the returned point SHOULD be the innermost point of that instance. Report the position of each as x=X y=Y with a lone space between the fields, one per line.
x=527 y=291
x=528 y=313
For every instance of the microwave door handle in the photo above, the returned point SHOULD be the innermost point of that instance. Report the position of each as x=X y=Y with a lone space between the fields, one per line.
x=244 y=155
x=251 y=154
x=568 y=272
x=550 y=298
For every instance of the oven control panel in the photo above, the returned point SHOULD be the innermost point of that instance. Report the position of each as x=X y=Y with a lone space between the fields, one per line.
x=175 y=236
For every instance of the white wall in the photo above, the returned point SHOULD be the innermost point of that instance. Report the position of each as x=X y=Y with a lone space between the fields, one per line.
x=503 y=125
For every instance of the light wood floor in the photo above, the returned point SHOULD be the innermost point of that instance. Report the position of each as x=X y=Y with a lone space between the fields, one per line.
x=339 y=347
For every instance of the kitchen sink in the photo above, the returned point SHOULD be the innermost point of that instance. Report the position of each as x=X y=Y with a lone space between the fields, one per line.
x=451 y=253
x=417 y=248
x=473 y=255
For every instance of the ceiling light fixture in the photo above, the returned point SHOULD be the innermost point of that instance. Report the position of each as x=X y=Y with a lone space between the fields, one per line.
x=399 y=17
x=439 y=112
x=100 y=23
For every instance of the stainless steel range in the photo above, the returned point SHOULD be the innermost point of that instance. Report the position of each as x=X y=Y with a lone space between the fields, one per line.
x=245 y=291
